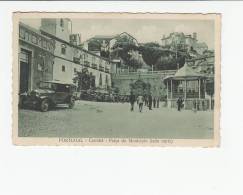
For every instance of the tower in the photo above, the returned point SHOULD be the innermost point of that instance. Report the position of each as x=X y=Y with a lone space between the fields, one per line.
x=59 y=27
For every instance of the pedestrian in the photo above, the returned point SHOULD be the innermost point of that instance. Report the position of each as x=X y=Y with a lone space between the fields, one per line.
x=140 y=100
x=157 y=101
x=179 y=103
x=145 y=100
x=132 y=100
x=203 y=106
x=154 y=101
x=195 y=105
x=150 y=100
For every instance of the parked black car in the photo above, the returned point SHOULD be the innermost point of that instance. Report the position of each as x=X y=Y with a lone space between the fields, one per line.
x=48 y=95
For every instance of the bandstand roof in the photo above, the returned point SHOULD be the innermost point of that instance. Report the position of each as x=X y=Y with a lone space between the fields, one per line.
x=186 y=73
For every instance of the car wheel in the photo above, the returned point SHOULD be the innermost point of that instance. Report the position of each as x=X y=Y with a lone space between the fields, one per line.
x=71 y=103
x=44 y=106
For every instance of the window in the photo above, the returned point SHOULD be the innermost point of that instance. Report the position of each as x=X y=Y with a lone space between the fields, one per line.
x=100 y=80
x=63 y=49
x=44 y=43
x=61 y=23
x=22 y=33
x=75 y=70
x=63 y=68
x=26 y=36
x=24 y=56
x=34 y=39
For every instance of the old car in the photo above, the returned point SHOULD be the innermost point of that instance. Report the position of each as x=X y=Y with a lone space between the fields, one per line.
x=48 y=95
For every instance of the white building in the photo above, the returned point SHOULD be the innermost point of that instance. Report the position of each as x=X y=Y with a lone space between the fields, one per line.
x=70 y=58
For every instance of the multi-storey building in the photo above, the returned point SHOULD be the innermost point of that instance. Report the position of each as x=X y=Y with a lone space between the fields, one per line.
x=105 y=43
x=52 y=53
x=36 y=58
x=178 y=40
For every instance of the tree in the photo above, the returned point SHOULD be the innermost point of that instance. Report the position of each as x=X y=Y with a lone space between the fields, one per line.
x=129 y=53
x=94 y=45
x=151 y=52
x=84 y=80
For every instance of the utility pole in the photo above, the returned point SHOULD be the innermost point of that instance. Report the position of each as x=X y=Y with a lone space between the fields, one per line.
x=177 y=57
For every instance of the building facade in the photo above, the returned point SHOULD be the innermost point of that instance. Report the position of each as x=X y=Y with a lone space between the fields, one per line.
x=70 y=58
x=36 y=58
x=178 y=40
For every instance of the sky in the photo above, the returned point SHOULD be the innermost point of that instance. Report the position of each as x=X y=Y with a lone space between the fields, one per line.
x=144 y=30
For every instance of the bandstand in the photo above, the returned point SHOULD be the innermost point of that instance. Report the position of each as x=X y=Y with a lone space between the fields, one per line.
x=188 y=85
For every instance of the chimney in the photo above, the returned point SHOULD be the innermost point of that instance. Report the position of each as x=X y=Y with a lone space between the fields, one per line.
x=194 y=35
x=75 y=39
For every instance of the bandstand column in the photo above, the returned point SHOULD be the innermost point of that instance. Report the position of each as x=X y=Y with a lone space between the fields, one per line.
x=185 y=88
x=171 y=88
x=199 y=88
x=167 y=83
x=204 y=88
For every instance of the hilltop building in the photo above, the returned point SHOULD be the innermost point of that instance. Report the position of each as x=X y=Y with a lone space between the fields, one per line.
x=109 y=46
x=180 y=41
x=105 y=43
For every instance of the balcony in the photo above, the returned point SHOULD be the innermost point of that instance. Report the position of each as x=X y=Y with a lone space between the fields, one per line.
x=101 y=68
x=86 y=63
x=76 y=60
x=94 y=66
x=107 y=70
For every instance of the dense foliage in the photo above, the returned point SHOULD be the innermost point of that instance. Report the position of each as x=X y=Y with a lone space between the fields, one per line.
x=162 y=58
x=85 y=80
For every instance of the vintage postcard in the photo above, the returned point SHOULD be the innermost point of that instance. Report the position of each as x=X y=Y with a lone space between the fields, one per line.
x=120 y=79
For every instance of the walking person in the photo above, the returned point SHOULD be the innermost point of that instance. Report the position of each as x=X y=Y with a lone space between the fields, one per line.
x=157 y=101
x=154 y=101
x=179 y=103
x=140 y=100
x=132 y=100
x=194 y=105
x=145 y=100
x=150 y=100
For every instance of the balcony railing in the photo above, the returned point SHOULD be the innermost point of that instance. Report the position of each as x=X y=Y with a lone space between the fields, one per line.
x=167 y=72
x=101 y=68
x=76 y=60
x=94 y=66
x=87 y=63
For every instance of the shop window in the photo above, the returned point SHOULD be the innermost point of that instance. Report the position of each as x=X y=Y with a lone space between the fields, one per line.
x=63 y=68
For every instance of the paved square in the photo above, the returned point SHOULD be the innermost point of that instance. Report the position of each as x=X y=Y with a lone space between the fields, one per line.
x=98 y=119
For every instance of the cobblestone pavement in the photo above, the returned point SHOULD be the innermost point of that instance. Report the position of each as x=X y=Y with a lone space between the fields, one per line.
x=96 y=119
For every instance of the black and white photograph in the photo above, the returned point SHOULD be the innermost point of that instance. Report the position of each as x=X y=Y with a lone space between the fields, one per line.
x=118 y=78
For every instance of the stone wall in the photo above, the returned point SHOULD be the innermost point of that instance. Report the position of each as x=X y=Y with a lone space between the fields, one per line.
x=155 y=79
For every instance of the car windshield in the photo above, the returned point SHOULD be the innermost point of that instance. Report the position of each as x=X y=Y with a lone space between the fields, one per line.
x=45 y=85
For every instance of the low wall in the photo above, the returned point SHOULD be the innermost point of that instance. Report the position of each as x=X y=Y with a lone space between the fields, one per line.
x=189 y=104
x=123 y=81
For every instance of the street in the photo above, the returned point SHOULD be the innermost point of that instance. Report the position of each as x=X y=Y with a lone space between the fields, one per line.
x=99 y=119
